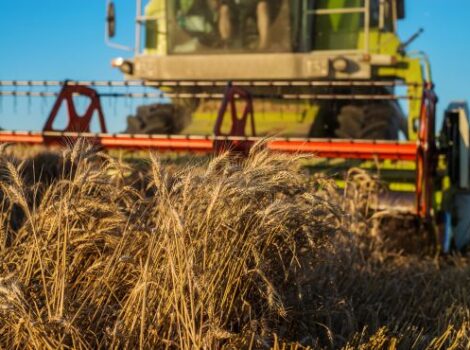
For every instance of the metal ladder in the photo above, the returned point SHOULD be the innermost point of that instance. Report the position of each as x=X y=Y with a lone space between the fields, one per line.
x=310 y=10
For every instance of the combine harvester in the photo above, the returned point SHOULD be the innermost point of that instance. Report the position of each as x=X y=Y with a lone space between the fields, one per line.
x=320 y=77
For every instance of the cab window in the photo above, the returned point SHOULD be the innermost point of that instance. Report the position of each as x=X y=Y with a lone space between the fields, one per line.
x=228 y=26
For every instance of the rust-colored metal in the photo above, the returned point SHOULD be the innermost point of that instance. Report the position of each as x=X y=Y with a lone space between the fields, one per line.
x=76 y=122
x=234 y=96
x=426 y=156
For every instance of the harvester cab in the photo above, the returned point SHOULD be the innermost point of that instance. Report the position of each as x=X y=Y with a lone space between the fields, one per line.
x=261 y=42
x=302 y=39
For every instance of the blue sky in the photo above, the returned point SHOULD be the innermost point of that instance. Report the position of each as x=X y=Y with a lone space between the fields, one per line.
x=64 y=39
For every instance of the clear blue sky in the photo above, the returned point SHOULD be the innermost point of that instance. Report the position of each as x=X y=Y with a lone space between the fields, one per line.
x=63 y=39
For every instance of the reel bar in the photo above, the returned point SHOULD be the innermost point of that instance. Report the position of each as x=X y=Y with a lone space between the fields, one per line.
x=218 y=96
x=169 y=83
x=322 y=148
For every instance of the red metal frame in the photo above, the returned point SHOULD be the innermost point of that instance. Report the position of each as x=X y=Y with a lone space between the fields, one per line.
x=426 y=156
x=233 y=94
x=76 y=122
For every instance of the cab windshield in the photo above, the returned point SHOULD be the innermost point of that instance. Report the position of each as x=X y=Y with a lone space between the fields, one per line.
x=217 y=26
x=248 y=26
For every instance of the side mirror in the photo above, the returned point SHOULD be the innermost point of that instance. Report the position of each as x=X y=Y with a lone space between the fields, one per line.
x=111 y=19
x=401 y=9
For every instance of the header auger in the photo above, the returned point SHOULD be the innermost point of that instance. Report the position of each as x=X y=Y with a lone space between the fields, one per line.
x=326 y=78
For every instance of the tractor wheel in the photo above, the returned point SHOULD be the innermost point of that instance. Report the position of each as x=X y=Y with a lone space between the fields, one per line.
x=134 y=125
x=158 y=119
x=379 y=121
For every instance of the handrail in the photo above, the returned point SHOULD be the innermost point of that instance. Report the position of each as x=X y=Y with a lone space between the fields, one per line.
x=352 y=10
x=108 y=41
x=338 y=11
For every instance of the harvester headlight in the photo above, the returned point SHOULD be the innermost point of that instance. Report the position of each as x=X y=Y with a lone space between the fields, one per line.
x=340 y=64
x=125 y=66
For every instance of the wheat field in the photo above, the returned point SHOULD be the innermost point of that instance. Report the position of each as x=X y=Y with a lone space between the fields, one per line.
x=97 y=252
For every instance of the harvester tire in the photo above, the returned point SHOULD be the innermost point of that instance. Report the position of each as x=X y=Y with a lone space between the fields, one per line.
x=134 y=125
x=380 y=121
x=157 y=119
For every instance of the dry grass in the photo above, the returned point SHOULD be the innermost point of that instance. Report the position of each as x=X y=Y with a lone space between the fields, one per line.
x=95 y=253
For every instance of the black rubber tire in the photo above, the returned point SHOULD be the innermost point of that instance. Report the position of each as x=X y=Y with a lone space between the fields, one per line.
x=134 y=125
x=158 y=119
x=379 y=121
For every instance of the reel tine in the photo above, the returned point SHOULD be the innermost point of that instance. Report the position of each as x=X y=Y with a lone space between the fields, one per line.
x=263 y=106
x=29 y=104
x=15 y=99
x=111 y=91
x=299 y=116
x=131 y=103
x=144 y=96
x=114 y=102
x=43 y=100
x=127 y=99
